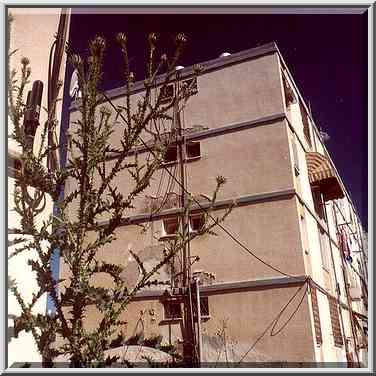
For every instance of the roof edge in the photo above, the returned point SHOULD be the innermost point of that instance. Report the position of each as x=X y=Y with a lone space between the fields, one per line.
x=208 y=66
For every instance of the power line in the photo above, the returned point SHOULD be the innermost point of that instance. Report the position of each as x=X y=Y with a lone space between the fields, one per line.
x=274 y=322
x=202 y=208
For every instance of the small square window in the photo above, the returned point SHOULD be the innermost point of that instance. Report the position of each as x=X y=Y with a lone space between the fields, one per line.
x=196 y=222
x=193 y=150
x=167 y=93
x=171 y=226
x=172 y=310
x=171 y=155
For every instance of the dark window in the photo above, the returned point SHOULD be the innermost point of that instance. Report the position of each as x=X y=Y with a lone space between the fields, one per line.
x=316 y=316
x=318 y=202
x=289 y=93
x=193 y=150
x=171 y=226
x=171 y=154
x=197 y=221
x=306 y=125
x=172 y=310
x=334 y=318
x=167 y=93
x=192 y=84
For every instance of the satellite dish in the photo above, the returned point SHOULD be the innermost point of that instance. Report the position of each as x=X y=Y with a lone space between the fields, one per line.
x=325 y=137
x=74 y=90
x=224 y=54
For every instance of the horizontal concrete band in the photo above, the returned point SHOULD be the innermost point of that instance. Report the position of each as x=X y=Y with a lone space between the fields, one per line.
x=201 y=135
x=208 y=66
x=222 y=204
x=232 y=287
x=250 y=285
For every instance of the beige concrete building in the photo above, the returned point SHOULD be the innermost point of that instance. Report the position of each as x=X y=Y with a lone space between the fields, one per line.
x=32 y=35
x=249 y=123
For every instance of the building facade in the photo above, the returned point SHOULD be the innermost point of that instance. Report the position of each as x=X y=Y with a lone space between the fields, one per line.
x=32 y=33
x=303 y=298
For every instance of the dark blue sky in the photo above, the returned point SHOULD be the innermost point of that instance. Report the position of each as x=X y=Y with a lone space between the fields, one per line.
x=327 y=55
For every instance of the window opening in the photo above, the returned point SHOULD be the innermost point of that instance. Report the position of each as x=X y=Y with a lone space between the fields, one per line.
x=193 y=150
x=318 y=202
x=167 y=93
x=171 y=226
x=196 y=222
x=171 y=155
x=172 y=310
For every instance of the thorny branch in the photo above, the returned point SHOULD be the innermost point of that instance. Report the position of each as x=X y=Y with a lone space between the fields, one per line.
x=94 y=194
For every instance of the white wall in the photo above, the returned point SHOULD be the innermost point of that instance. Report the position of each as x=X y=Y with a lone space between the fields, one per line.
x=32 y=33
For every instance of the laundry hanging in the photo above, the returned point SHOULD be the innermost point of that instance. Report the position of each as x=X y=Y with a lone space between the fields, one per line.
x=344 y=245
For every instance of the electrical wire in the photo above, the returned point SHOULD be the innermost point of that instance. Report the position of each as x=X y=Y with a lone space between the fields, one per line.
x=274 y=322
x=241 y=244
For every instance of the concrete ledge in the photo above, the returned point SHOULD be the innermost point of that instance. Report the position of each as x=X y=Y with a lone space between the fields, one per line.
x=240 y=201
x=201 y=135
x=232 y=287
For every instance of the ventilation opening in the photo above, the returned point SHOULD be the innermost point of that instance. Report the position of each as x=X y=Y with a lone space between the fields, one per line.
x=172 y=311
x=193 y=150
x=196 y=222
x=167 y=93
x=171 y=154
x=170 y=226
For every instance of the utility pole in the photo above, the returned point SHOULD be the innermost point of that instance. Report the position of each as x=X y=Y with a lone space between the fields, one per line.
x=198 y=303
x=54 y=68
x=189 y=346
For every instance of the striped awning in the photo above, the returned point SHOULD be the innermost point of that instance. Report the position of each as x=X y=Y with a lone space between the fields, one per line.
x=321 y=173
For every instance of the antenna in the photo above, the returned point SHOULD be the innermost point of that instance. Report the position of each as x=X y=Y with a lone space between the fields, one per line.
x=74 y=90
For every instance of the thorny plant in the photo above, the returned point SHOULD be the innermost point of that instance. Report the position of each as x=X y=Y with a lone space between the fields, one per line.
x=88 y=149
